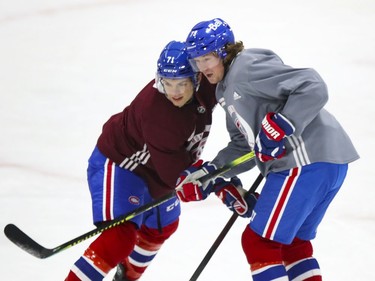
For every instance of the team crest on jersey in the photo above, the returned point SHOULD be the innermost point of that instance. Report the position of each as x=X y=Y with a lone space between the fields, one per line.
x=134 y=200
x=242 y=125
x=201 y=109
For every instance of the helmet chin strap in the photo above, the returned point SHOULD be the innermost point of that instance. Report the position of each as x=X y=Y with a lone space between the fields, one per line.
x=201 y=109
x=197 y=87
x=197 y=81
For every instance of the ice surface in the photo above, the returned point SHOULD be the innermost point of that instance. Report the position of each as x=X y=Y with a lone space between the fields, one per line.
x=66 y=66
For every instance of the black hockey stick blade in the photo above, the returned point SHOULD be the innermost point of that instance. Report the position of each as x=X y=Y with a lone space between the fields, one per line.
x=22 y=240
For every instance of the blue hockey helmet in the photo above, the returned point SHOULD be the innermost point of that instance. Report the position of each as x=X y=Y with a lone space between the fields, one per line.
x=173 y=63
x=209 y=36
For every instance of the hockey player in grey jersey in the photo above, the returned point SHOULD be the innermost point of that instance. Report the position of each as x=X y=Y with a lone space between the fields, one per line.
x=301 y=149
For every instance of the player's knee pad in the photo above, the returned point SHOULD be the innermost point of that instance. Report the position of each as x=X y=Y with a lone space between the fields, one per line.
x=260 y=250
x=297 y=250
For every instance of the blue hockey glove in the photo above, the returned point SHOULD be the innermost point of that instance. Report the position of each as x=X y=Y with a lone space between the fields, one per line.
x=270 y=142
x=192 y=189
x=235 y=197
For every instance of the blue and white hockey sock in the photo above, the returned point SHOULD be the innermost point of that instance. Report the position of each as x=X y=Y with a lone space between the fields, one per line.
x=305 y=269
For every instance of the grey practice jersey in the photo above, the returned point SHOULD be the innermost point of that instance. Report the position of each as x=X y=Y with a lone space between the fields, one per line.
x=258 y=82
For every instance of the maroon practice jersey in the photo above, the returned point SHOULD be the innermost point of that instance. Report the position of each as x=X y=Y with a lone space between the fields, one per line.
x=157 y=140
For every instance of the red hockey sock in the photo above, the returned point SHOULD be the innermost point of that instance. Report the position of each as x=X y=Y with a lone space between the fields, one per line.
x=260 y=250
x=264 y=257
x=147 y=246
x=72 y=277
x=114 y=244
x=299 y=261
x=111 y=247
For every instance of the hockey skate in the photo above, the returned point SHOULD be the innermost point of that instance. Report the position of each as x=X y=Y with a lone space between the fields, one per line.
x=120 y=273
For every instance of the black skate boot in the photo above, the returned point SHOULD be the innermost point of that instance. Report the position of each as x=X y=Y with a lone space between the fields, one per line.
x=120 y=273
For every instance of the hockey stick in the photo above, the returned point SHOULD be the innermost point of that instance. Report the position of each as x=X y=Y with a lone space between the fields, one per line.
x=26 y=243
x=222 y=234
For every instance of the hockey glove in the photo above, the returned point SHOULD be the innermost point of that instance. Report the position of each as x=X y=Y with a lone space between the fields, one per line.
x=270 y=142
x=192 y=189
x=233 y=195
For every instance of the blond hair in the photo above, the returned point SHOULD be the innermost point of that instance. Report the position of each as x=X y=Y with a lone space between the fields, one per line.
x=232 y=50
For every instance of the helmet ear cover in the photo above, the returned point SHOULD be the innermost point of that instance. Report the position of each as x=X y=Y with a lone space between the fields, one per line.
x=159 y=85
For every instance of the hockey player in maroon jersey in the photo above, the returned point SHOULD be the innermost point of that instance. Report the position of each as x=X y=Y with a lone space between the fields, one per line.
x=138 y=157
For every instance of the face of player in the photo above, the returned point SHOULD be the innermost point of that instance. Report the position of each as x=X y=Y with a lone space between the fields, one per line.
x=178 y=91
x=211 y=65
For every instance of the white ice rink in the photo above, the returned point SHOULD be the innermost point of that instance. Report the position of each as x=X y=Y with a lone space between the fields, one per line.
x=67 y=65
